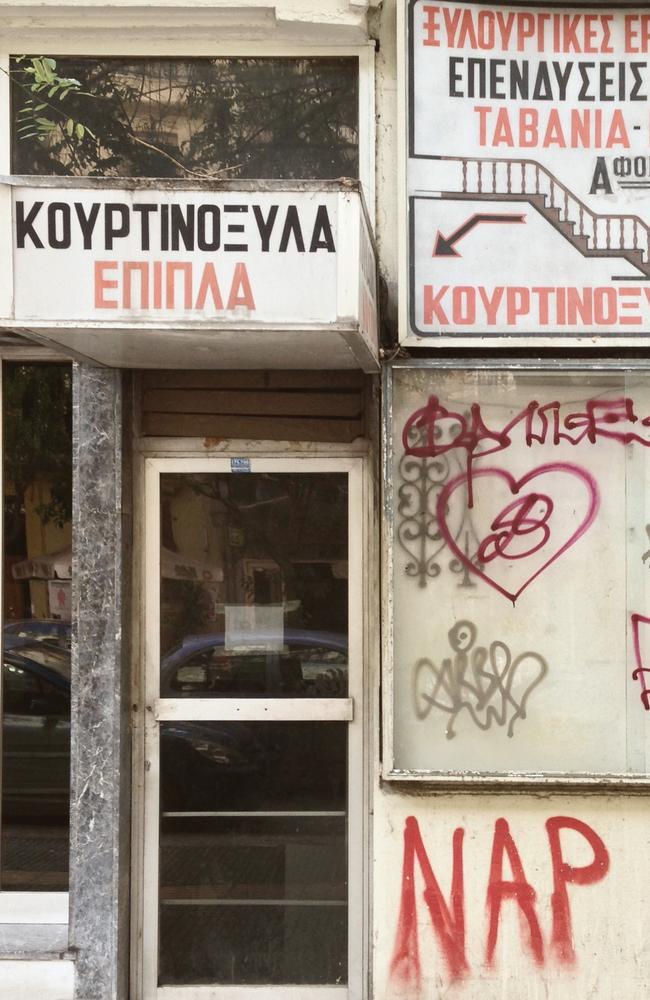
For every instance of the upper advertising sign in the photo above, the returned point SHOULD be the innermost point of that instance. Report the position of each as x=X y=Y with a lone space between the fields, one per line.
x=528 y=173
x=93 y=260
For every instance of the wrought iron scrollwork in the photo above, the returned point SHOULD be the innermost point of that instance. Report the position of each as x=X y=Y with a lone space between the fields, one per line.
x=417 y=526
x=421 y=481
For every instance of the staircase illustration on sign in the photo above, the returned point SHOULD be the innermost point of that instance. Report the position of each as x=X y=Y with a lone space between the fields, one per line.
x=624 y=236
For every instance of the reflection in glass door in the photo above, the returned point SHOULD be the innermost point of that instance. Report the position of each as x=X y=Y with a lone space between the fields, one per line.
x=252 y=841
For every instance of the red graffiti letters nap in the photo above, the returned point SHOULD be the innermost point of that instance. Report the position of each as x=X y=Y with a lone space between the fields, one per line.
x=448 y=918
x=564 y=873
x=517 y=888
x=448 y=923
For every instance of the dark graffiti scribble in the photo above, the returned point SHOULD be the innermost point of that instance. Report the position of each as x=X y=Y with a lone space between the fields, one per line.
x=478 y=680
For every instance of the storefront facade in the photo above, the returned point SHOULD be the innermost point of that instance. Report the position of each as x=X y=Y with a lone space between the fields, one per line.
x=344 y=625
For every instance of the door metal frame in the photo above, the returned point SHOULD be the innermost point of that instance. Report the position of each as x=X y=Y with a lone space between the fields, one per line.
x=146 y=819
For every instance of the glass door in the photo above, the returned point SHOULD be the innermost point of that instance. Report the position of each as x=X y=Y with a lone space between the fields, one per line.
x=253 y=735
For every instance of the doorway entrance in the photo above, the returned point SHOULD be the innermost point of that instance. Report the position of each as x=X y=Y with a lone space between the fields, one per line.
x=253 y=779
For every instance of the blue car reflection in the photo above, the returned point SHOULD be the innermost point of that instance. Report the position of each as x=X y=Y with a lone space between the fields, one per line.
x=202 y=762
x=304 y=663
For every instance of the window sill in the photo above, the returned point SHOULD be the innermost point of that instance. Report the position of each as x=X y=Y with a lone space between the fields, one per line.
x=34 y=942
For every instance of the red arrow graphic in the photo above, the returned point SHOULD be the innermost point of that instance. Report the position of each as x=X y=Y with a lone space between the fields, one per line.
x=444 y=246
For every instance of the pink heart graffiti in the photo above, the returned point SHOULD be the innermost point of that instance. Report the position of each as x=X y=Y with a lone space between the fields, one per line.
x=517 y=521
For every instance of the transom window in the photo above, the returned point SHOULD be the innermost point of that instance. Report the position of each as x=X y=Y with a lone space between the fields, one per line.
x=223 y=118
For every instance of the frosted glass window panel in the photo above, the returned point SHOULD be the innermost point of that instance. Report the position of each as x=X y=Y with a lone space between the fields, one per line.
x=521 y=562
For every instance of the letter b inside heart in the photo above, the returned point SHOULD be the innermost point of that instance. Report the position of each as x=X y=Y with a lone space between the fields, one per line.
x=530 y=522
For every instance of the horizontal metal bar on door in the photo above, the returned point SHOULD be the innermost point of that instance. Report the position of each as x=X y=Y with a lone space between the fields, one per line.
x=253 y=710
x=253 y=902
x=255 y=813
x=251 y=992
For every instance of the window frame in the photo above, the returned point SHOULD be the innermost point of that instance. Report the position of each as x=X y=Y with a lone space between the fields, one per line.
x=475 y=779
x=156 y=710
x=66 y=46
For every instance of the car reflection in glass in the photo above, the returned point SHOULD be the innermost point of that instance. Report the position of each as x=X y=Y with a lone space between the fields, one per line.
x=304 y=664
x=202 y=762
x=36 y=730
x=52 y=630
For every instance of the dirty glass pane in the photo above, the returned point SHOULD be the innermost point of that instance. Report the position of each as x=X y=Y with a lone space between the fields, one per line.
x=520 y=572
x=37 y=476
x=201 y=118
x=253 y=853
x=254 y=596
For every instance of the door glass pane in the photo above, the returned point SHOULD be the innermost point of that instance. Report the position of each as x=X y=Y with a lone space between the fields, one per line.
x=253 y=853
x=253 y=816
x=254 y=585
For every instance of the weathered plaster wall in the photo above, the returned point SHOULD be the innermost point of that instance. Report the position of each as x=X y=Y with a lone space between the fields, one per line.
x=526 y=897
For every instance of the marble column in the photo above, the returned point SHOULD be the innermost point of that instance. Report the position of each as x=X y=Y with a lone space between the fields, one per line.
x=100 y=792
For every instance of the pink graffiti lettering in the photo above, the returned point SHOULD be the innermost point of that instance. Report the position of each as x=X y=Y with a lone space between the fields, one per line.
x=433 y=429
x=448 y=919
x=523 y=523
x=500 y=543
x=640 y=671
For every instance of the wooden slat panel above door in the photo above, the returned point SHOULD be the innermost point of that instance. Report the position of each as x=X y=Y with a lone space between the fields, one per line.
x=291 y=406
x=253 y=403
x=252 y=379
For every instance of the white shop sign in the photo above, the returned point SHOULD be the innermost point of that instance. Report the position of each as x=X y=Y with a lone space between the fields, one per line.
x=528 y=173
x=139 y=274
x=149 y=254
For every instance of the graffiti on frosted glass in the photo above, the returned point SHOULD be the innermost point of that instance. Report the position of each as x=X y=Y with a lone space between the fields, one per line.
x=487 y=683
x=435 y=436
x=531 y=524
x=640 y=671
x=447 y=916
x=434 y=430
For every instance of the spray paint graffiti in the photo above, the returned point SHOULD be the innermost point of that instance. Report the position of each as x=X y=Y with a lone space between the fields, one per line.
x=640 y=671
x=646 y=554
x=434 y=434
x=448 y=917
x=529 y=517
x=439 y=430
x=487 y=683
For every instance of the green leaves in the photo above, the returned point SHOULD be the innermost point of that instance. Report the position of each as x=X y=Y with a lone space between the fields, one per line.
x=36 y=75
